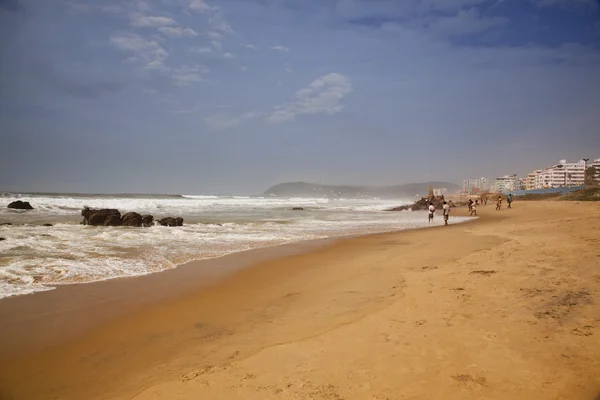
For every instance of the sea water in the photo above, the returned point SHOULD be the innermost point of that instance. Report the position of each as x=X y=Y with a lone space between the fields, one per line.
x=36 y=258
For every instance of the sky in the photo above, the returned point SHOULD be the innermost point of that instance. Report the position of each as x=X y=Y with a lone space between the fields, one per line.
x=233 y=96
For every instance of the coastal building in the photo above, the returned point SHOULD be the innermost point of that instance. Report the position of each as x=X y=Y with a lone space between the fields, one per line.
x=440 y=192
x=476 y=185
x=561 y=175
x=531 y=179
x=596 y=165
x=505 y=183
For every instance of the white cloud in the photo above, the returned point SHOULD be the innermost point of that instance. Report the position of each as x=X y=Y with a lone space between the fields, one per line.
x=243 y=68
x=177 y=31
x=281 y=48
x=217 y=45
x=188 y=74
x=200 y=6
x=142 y=21
x=201 y=50
x=465 y=22
x=228 y=55
x=550 y=3
x=322 y=96
x=216 y=22
x=226 y=121
x=250 y=46
x=149 y=51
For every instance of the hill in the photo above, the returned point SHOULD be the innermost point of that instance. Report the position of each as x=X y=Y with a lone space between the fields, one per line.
x=303 y=189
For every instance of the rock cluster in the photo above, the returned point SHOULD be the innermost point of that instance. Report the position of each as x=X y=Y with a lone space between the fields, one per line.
x=20 y=205
x=112 y=217
x=423 y=204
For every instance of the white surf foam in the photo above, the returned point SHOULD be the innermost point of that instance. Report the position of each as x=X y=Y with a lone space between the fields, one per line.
x=35 y=258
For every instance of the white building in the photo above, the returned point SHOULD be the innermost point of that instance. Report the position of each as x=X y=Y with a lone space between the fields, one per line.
x=531 y=179
x=596 y=164
x=475 y=185
x=505 y=183
x=561 y=175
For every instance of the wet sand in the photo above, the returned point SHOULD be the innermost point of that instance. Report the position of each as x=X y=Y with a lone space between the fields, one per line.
x=504 y=307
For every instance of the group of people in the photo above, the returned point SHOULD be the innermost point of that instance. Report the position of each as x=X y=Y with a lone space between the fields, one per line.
x=509 y=200
x=472 y=207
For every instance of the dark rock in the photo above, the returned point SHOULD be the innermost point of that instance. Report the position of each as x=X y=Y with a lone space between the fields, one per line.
x=103 y=217
x=20 y=205
x=147 y=220
x=5 y=224
x=131 y=219
x=401 y=208
x=170 y=221
x=423 y=204
x=297 y=209
x=1 y=239
x=46 y=224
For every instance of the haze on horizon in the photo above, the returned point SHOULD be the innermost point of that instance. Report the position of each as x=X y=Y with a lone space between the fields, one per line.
x=232 y=96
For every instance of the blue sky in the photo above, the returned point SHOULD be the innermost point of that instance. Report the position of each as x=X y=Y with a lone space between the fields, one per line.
x=232 y=96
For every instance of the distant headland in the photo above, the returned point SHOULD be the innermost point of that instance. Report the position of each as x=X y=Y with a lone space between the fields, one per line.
x=304 y=189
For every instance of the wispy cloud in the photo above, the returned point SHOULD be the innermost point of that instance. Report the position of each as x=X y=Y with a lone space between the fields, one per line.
x=228 y=55
x=322 y=96
x=217 y=22
x=281 y=48
x=226 y=121
x=250 y=46
x=142 y=21
x=567 y=3
x=199 y=6
x=177 y=31
x=188 y=74
x=201 y=50
x=149 y=51
x=465 y=22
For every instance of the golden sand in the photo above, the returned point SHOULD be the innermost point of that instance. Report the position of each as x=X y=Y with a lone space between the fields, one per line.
x=507 y=307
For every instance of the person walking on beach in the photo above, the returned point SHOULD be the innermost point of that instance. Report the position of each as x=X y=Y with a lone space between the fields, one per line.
x=470 y=204
x=509 y=199
x=499 y=203
x=431 y=212
x=474 y=208
x=446 y=212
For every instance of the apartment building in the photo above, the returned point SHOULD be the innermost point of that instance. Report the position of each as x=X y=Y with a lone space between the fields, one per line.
x=560 y=175
x=475 y=185
x=531 y=179
x=505 y=183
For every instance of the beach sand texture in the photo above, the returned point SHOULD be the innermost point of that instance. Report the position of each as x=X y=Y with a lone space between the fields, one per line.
x=504 y=307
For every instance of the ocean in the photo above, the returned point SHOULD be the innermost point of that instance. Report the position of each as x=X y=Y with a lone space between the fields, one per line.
x=36 y=258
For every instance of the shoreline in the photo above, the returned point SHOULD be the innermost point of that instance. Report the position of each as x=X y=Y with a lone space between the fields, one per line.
x=452 y=312
x=101 y=295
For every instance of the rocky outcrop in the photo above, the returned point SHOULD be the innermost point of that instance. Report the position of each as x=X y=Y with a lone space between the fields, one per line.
x=112 y=217
x=423 y=204
x=1 y=239
x=131 y=219
x=147 y=220
x=46 y=224
x=170 y=221
x=297 y=209
x=20 y=205
x=102 y=217
x=5 y=224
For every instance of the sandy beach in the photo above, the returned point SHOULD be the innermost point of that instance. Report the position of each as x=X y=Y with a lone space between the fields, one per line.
x=503 y=307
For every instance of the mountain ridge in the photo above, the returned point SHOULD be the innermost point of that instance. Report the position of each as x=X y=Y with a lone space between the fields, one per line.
x=305 y=189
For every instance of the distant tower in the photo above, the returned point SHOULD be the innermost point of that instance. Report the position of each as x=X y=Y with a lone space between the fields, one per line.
x=431 y=192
